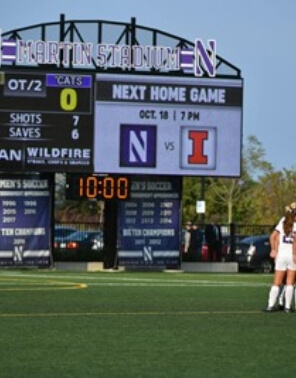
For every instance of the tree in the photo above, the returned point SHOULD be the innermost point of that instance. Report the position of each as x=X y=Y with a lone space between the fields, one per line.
x=232 y=198
x=75 y=211
x=225 y=194
x=254 y=158
x=191 y=193
x=274 y=192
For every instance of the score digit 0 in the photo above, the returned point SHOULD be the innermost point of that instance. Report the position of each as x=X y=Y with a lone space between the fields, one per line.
x=68 y=99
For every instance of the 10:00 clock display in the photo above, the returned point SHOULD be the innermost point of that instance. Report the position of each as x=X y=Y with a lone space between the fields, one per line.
x=97 y=187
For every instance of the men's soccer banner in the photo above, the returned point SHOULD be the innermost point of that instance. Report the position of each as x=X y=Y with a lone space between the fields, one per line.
x=25 y=202
x=149 y=223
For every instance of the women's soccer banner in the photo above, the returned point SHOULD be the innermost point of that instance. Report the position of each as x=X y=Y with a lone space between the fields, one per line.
x=149 y=223
x=25 y=202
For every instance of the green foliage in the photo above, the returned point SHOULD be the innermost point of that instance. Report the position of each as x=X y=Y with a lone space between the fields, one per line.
x=192 y=192
x=259 y=196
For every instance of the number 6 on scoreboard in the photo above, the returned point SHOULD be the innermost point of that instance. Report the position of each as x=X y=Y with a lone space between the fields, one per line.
x=68 y=99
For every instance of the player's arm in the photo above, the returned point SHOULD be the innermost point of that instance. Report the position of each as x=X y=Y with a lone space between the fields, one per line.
x=274 y=243
x=294 y=248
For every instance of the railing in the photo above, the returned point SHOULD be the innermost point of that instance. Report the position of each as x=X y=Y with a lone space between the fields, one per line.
x=232 y=234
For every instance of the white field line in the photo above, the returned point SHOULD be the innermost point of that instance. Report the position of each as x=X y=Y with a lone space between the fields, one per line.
x=130 y=281
x=130 y=314
x=176 y=284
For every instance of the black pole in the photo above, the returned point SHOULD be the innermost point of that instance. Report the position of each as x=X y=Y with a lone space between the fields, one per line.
x=232 y=241
x=133 y=37
x=62 y=36
x=110 y=234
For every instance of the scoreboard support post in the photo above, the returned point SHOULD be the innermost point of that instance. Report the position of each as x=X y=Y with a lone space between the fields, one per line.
x=110 y=234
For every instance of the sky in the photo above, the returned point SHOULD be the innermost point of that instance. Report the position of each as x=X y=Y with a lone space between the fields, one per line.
x=257 y=36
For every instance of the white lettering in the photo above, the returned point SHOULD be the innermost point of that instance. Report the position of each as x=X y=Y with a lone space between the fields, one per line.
x=158 y=93
x=208 y=95
x=10 y=155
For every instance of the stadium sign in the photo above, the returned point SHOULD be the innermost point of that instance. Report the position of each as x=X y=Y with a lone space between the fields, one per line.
x=114 y=55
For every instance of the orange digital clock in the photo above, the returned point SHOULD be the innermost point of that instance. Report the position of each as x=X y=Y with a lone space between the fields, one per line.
x=111 y=187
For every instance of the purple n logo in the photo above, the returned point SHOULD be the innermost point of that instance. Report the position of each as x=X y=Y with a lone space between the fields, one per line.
x=208 y=58
x=137 y=146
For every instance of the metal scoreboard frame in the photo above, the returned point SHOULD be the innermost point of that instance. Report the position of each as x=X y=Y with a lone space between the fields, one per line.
x=120 y=123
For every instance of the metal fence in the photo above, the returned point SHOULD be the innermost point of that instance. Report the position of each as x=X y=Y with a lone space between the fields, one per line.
x=83 y=226
x=237 y=232
x=246 y=229
x=232 y=232
x=227 y=229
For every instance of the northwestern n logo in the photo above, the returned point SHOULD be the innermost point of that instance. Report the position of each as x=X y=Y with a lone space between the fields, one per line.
x=148 y=254
x=200 y=60
x=137 y=146
x=205 y=58
x=18 y=253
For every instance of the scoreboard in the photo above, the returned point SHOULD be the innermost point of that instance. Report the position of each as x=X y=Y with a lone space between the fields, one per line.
x=122 y=124
x=46 y=121
x=168 y=125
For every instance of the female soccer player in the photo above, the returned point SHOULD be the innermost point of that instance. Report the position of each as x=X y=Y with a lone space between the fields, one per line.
x=283 y=250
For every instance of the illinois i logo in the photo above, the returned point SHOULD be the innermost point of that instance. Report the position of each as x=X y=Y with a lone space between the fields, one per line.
x=198 y=147
x=137 y=146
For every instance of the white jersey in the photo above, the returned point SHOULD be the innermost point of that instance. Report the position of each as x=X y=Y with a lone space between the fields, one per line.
x=285 y=241
x=284 y=258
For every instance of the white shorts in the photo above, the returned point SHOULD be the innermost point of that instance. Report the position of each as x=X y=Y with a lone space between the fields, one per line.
x=284 y=262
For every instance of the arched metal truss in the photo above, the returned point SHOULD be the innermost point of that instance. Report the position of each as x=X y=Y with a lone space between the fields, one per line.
x=117 y=33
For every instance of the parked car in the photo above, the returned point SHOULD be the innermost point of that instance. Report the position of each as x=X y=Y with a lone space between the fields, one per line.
x=252 y=253
x=80 y=246
x=61 y=233
x=226 y=248
x=92 y=240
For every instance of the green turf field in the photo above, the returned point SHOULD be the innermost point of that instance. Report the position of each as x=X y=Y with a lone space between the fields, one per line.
x=61 y=324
